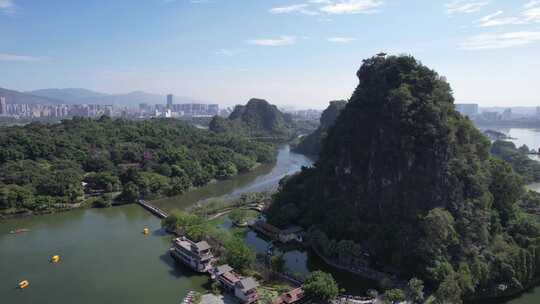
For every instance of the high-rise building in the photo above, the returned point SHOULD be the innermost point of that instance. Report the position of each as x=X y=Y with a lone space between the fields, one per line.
x=491 y=115
x=169 y=101
x=507 y=114
x=3 y=106
x=469 y=109
x=213 y=109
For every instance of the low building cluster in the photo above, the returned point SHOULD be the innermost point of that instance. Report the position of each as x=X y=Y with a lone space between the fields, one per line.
x=287 y=235
x=198 y=256
x=243 y=288
x=23 y=110
x=294 y=296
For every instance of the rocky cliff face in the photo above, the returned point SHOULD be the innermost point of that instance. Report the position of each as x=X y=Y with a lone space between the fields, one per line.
x=311 y=144
x=407 y=177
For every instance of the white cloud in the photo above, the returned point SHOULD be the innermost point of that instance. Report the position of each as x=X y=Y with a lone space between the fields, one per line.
x=288 y=9
x=500 y=41
x=495 y=19
x=317 y=7
x=20 y=58
x=465 y=7
x=351 y=6
x=530 y=14
x=302 y=8
x=341 y=39
x=7 y=6
x=532 y=11
x=283 y=40
x=490 y=17
x=532 y=4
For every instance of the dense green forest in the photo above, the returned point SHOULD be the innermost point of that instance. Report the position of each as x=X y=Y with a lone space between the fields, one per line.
x=50 y=166
x=311 y=144
x=412 y=188
x=518 y=158
x=258 y=119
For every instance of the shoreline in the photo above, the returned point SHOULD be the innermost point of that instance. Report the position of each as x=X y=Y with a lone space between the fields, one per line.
x=25 y=213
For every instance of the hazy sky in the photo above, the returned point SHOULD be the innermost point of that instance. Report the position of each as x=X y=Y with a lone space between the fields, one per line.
x=302 y=53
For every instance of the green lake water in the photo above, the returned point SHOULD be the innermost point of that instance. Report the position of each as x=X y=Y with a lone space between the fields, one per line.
x=105 y=258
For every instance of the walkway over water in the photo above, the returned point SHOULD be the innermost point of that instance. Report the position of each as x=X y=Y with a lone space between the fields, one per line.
x=153 y=209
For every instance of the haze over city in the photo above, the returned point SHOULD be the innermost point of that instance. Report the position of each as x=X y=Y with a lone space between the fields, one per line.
x=299 y=53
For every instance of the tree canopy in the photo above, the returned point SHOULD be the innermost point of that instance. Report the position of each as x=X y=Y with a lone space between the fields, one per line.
x=518 y=158
x=44 y=165
x=321 y=285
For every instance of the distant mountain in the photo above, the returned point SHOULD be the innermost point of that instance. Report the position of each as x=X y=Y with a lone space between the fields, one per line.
x=67 y=95
x=130 y=99
x=257 y=118
x=19 y=97
x=84 y=96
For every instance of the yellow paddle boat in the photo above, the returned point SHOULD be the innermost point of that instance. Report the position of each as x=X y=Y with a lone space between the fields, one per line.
x=23 y=284
x=55 y=259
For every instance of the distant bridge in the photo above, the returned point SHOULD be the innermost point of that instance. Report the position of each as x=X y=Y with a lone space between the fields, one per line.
x=153 y=209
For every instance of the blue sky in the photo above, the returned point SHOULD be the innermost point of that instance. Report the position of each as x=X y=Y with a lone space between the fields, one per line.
x=301 y=53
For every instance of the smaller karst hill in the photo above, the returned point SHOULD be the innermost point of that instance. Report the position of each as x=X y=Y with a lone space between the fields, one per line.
x=258 y=118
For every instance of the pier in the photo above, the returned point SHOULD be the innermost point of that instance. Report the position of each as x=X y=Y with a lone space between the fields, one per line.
x=153 y=209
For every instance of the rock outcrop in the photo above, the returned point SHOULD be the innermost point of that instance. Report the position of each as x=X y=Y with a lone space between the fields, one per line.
x=257 y=118
x=311 y=144
x=411 y=181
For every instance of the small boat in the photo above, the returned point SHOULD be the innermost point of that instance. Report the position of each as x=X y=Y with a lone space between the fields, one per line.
x=189 y=297
x=23 y=284
x=146 y=231
x=55 y=259
x=21 y=230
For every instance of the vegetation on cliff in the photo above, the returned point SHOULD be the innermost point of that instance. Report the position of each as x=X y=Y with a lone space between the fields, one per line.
x=44 y=166
x=257 y=118
x=311 y=144
x=518 y=158
x=411 y=182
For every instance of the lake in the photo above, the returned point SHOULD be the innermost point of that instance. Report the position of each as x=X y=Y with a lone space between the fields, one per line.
x=105 y=258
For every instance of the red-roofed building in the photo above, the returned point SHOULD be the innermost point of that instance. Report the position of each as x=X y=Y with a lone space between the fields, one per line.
x=294 y=296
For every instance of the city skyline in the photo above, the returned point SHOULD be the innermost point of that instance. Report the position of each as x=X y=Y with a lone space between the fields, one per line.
x=299 y=53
